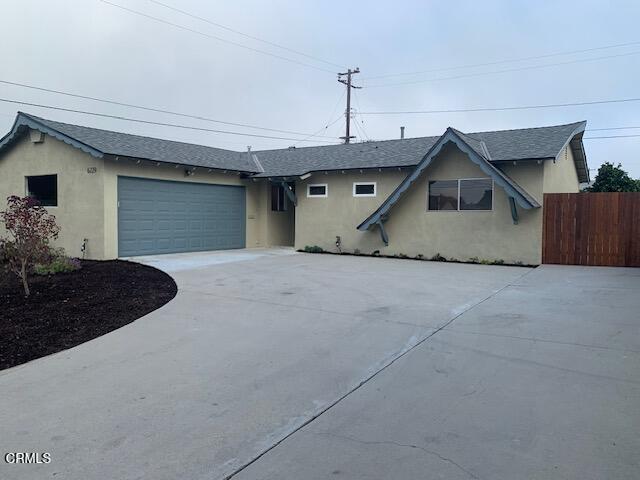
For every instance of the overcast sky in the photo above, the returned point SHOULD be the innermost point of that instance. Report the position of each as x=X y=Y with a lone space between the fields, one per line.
x=91 y=48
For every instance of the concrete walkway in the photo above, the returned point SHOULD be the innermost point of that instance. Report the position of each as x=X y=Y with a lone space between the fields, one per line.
x=316 y=366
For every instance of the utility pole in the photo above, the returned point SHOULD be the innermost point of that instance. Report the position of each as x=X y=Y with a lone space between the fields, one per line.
x=347 y=136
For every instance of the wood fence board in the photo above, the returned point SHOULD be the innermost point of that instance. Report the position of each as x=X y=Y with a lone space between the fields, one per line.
x=591 y=229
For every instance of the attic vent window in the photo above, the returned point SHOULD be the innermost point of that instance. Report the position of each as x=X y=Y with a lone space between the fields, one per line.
x=319 y=190
x=363 y=189
x=44 y=188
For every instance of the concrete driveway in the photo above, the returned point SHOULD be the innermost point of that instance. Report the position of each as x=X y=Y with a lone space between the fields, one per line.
x=279 y=365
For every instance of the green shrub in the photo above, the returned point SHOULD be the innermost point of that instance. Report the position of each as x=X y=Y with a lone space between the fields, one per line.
x=420 y=257
x=474 y=260
x=438 y=258
x=58 y=263
x=498 y=262
x=313 y=249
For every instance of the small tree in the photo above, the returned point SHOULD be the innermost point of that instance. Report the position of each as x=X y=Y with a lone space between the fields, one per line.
x=613 y=179
x=30 y=229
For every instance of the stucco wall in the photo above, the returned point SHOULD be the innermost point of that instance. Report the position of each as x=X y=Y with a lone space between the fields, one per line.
x=413 y=230
x=561 y=176
x=80 y=210
x=87 y=202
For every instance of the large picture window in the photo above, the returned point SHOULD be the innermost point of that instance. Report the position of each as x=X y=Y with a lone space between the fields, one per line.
x=463 y=194
x=44 y=188
x=476 y=194
x=443 y=195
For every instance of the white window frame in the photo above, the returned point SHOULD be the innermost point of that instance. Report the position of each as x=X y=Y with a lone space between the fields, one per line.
x=375 y=189
x=326 y=190
x=493 y=191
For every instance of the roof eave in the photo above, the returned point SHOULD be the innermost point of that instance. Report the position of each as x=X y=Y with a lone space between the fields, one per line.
x=574 y=141
x=24 y=120
x=511 y=187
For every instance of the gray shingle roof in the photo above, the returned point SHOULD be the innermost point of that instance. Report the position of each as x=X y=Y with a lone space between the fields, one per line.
x=136 y=146
x=503 y=145
x=495 y=146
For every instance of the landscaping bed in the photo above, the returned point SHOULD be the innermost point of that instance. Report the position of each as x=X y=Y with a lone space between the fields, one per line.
x=68 y=309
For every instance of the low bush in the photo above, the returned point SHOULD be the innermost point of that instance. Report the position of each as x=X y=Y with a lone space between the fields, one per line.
x=438 y=258
x=59 y=262
x=313 y=249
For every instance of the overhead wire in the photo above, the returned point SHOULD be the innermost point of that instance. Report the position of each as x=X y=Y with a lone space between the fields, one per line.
x=500 y=109
x=150 y=109
x=214 y=37
x=252 y=37
x=149 y=122
x=500 y=62
x=518 y=69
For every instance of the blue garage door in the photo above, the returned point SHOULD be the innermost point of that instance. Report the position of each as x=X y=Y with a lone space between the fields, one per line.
x=157 y=216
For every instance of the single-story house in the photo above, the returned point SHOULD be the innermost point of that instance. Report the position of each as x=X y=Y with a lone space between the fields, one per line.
x=460 y=195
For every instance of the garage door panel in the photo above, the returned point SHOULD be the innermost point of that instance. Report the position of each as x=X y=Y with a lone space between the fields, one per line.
x=156 y=216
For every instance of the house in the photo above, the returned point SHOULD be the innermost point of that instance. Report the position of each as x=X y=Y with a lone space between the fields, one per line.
x=460 y=195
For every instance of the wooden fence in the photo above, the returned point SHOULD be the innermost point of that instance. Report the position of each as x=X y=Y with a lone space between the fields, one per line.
x=592 y=229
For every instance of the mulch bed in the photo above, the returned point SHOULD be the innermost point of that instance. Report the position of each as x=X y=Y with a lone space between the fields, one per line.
x=67 y=309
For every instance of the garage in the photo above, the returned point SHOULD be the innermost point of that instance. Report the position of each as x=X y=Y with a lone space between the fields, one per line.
x=160 y=216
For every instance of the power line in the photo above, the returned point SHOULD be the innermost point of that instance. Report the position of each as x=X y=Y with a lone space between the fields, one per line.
x=611 y=136
x=499 y=62
x=360 y=125
x=230 y=42
x=323 y=129
x=500 y=109
x=273 y=44
x=611 y=128
x=329 y=121
x=151 y=109
x=508 y=70
x=148 y=122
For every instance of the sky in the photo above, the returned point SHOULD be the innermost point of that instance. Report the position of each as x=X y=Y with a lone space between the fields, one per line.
x=91 y=48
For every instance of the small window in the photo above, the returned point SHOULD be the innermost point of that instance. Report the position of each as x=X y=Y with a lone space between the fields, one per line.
x=443 y=195
x=278 y=199
x=476 y=194
x=364 y=189
x=319 y=190
x=43 y=188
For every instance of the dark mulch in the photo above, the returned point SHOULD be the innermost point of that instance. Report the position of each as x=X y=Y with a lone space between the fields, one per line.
x=67 y=309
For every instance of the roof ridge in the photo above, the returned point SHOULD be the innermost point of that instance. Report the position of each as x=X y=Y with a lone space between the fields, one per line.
x=527 y=128
x=41 y=119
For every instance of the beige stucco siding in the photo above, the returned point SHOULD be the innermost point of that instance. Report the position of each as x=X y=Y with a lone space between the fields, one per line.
x=80 y=210
x=560 y=176
x=88 y=205
x=413 y=230
x=319 y=220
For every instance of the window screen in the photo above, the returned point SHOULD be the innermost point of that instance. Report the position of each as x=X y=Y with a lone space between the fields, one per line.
x=476 y=194
x=364 y=189
x=317 y=191
x=43 y=188
x=443 y=195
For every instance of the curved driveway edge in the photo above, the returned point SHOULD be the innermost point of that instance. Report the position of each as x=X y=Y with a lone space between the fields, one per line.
x=246 y=353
